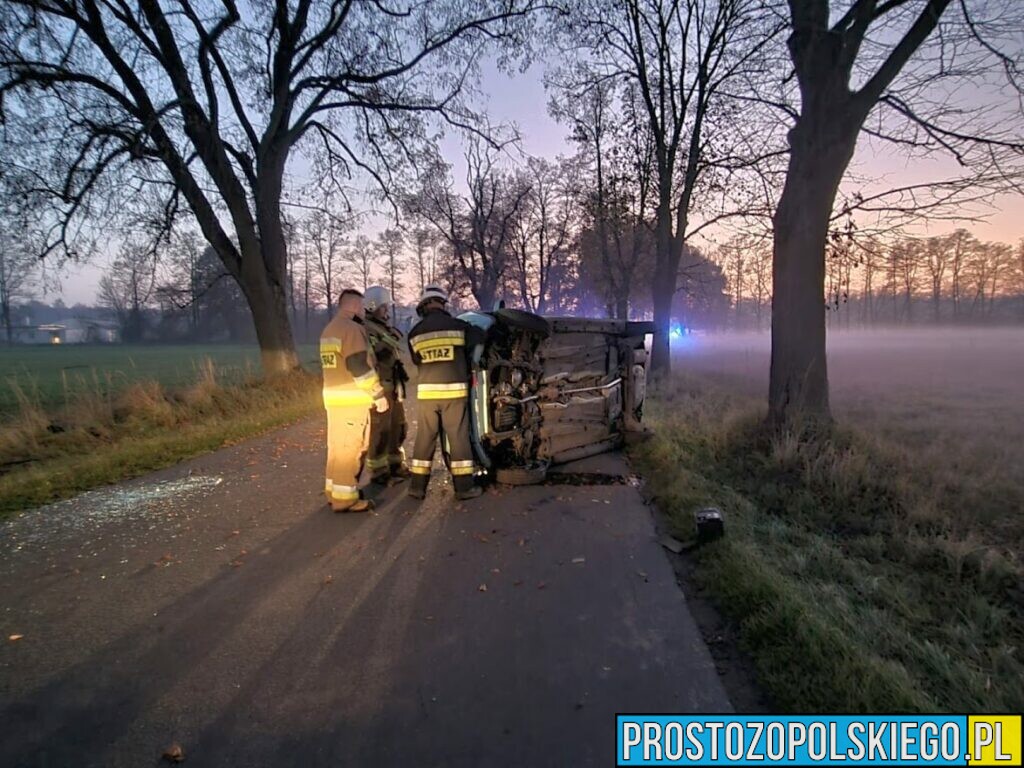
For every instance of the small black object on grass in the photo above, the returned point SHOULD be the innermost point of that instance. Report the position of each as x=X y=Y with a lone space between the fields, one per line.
x=710 y=524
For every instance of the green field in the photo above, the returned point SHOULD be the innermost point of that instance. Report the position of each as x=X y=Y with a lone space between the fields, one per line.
x=51 y=375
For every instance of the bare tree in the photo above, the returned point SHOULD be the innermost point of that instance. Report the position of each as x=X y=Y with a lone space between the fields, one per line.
x=542 y=233
x=19 y=271
x=906 y=258
x=208 y=104
x=961 y=243
x=362 y=257
x=1019 y=282
x=761 y=272
x=128 y=286
x=181 y=284
x=324 y=235
x=390 y=244
x=731 y=257
x=477 y=226
x=588 y=113
x=424 y=242
x=683 y=58
x=936 y=261
x=848 y=61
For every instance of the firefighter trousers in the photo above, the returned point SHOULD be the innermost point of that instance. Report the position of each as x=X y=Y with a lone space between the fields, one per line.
x=347 y=442
x=387 y=434
x=449 y=420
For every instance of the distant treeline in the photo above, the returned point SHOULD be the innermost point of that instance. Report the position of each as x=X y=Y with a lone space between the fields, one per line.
x=948 y=279
x=184 y=295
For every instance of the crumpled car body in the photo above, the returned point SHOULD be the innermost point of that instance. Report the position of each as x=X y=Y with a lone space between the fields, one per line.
x=548 y=390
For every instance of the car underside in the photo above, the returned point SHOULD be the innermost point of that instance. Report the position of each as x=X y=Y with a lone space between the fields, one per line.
x=549 y=390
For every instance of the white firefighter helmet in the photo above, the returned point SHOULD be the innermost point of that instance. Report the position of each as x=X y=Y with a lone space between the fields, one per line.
x=376 y=296
x=431 y=293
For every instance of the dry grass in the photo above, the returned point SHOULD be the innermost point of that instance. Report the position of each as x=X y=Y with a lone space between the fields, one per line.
x=876 y=569
x=103 y=434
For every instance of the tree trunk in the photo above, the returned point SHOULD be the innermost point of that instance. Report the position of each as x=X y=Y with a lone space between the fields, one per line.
x=268 y=303
x=269 y=306
x=661 y=351
x=264 y=273
x=485 y=292
x=663 y=287
x=799 y=373
x=7 y=323
x=622 y=308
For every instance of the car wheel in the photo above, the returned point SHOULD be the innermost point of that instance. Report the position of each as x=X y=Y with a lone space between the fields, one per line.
x=527 y=474
x=525 y=320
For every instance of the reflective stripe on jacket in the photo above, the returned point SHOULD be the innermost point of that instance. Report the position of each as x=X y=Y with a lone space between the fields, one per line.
x=440 y=346
x=348 y=363
x=442 y=391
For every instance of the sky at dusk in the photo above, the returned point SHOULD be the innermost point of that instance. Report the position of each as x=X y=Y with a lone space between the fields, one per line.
x=521 y=99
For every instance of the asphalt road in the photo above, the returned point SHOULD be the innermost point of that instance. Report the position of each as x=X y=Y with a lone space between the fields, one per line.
x=221 y=607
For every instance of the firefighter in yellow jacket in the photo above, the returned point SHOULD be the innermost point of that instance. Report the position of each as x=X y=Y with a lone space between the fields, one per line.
x=440 y=346
x=351 y=388
x=386 y=459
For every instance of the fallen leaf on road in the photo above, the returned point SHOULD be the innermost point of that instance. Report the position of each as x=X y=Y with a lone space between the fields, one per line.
x=482 y=588
x=328 y=579
x=481 y=538
x=521 y=542
x=12 y=638
x=541 y=585
x=579 y=560
x=174 y=753
x=517 y=582
x=495 y=570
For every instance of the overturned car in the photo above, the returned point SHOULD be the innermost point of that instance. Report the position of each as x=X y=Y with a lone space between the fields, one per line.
x=552 y=390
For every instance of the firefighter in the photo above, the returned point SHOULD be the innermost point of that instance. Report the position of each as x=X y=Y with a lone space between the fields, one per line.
x=440 y=346
x=386 y=459
x=351 y=389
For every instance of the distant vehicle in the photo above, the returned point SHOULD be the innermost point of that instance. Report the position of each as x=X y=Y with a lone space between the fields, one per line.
x=552 y=390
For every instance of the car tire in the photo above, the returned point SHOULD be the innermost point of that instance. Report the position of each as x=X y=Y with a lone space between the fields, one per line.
x=528 y=474
x=525 y=320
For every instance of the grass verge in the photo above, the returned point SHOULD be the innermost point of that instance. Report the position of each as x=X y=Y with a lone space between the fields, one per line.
x=101 y=438
x=861 y=576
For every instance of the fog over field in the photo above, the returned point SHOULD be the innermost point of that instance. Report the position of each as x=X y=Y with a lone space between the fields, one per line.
x=947 y=389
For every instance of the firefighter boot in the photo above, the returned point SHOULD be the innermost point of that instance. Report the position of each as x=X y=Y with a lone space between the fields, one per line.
x=359 y=505
x=465 y=488
x=470 y=493
x=418 y=486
